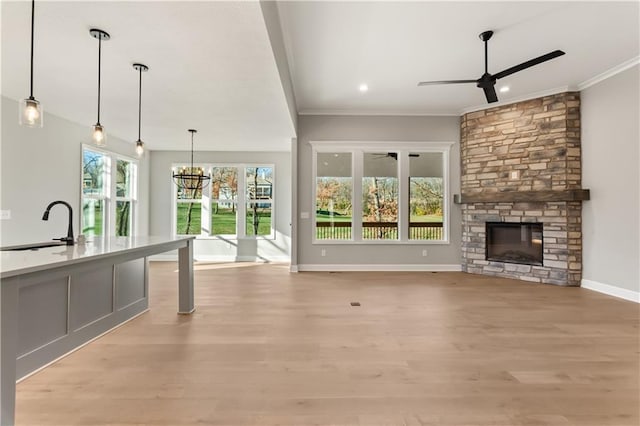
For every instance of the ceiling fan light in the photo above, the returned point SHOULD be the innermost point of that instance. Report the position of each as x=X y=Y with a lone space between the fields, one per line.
x=31 y=113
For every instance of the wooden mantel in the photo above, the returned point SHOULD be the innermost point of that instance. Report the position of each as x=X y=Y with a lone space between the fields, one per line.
x=522 y=196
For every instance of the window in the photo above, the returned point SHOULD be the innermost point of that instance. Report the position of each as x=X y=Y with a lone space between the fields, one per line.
x=380 y=196
x=189 y=205
x=400 y=195
x=224 y=200
x=426 y=196
x=237 y=203
x=108 y=193
x=95 y=178
x=334 y=184
x=259 y=184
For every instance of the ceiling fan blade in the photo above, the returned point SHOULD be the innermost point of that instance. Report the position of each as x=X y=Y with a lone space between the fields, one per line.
x=528 y=64
x=430 y=83
x=490 y=93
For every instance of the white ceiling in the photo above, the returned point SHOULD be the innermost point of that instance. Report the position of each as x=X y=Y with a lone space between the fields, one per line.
x=211 y=68
x=333 y=47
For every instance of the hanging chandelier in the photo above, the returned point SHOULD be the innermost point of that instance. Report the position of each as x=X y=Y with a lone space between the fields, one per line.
x=31 y=113
x=191 y=178
x=139 y=144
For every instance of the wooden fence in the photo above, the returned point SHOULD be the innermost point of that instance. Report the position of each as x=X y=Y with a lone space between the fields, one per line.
x=379 y=231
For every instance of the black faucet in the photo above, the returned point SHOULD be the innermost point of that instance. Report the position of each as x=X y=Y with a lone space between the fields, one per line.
x=69 y=238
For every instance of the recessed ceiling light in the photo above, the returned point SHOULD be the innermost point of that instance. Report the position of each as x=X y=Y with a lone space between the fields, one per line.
x=363 y=88
x=504 y=89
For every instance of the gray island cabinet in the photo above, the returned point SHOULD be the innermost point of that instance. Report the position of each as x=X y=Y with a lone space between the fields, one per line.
x=55 y=299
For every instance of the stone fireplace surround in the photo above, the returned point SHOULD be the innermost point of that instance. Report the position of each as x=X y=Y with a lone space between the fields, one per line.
x=521 y=163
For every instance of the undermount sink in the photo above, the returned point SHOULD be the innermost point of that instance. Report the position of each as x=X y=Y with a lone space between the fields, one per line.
x=33 y=246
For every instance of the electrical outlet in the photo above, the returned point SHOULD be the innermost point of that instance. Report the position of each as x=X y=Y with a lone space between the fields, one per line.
x=304 y=215
x=323 y=252
x=424 y=253
x=5 y=214
x=515 y=174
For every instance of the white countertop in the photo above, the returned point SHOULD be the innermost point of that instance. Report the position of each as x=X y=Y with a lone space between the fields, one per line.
x=14 y=263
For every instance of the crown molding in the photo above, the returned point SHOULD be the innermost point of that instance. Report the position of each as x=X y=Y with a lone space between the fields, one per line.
x=609 y=73
x=345 y=112
x=528 y=97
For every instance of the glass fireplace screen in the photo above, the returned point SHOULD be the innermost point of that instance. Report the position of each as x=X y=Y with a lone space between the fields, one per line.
x=514 y=242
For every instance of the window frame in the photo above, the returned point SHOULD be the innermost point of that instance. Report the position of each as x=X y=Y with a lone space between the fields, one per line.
x=357 y=150
x=109 y=196
x=241 y=203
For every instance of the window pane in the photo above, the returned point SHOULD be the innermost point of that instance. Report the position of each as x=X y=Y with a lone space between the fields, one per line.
x=123 y=218
x=123 y=178
x=92 y=217
x=93 y=173
x=190 y=185
x=426 y=196
x=224 y=183
x=334 y=187
x=188 y=218
x=223 y=218
x=258 y=219
x=380 y=196
x=259 y=181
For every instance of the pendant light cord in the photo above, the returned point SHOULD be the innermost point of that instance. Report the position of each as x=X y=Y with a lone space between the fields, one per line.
x=99 y=63
x=191 y=152
x=33 y=9
x=140 y=104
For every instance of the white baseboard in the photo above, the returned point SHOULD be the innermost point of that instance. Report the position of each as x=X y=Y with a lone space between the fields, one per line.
x=611 y=290
x=388 y=268
x=293 y=268
x=163 y=258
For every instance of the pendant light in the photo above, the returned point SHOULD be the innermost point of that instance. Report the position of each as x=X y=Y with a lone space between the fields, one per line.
x=30 y=109
x=191 y=179
x=139 y=144
x=98 y=134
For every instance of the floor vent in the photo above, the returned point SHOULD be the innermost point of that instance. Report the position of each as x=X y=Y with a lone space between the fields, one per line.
x=355 y=303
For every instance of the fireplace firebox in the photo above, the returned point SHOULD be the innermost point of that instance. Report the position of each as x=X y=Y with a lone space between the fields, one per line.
x=514 y=242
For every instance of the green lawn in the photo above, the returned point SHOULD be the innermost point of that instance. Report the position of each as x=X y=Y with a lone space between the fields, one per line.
x=320 y=217
x=183 y=215
x=338 y=218
x=223 y=221
x=264 y=223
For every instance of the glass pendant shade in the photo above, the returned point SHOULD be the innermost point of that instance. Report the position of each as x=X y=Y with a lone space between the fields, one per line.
x=139 y=148
x=98 y=135
x=31 y=113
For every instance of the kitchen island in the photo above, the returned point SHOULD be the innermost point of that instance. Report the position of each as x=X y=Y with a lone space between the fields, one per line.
x=55 y=299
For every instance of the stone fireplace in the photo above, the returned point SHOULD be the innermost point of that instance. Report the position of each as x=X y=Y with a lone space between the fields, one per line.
x=521 y=164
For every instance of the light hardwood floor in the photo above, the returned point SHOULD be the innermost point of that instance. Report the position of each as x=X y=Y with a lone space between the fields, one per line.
x=269 y=347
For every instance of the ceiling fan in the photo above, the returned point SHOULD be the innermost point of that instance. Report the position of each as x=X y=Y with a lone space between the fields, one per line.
x=394 y=155
x=488 y=81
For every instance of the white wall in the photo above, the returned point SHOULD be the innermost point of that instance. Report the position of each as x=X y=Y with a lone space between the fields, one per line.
x=249 y=248
x=45 y=164
x=376 y=128
x=610 y=163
